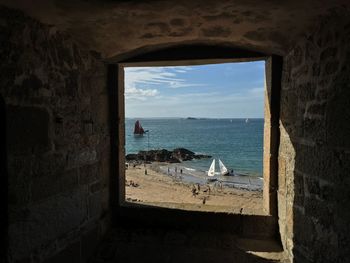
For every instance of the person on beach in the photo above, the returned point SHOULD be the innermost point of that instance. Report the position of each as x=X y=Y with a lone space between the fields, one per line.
x=180 y=171
x=168 y=170
x=194 y=191
x=145 y=171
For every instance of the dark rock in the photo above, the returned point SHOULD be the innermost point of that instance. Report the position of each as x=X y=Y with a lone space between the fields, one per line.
x=201 y=156
x=183 y=154
x=176 y=156
x=131 y=157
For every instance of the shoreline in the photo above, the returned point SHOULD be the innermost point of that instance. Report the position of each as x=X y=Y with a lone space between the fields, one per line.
x=193 y=176
x=174 y=191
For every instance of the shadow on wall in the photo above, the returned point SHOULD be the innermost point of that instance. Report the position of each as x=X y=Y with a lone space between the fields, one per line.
x=315 y=147
x=3 y=184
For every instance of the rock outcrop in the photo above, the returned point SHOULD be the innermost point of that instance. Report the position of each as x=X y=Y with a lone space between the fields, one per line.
x=175 y=156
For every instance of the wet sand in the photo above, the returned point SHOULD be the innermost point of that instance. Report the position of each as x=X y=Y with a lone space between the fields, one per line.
x=159 y=189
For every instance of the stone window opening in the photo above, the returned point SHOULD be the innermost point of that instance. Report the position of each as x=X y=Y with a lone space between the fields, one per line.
x=185 y=56
x=233 y=106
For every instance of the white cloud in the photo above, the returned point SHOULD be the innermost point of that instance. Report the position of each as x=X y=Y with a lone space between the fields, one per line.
x=140 y=94
x=157 y=76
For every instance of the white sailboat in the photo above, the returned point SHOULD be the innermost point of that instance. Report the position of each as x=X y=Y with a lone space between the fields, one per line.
x=211 y=172
x=223 y=169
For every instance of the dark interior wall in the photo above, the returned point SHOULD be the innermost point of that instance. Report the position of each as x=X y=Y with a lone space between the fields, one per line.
x=57 y=139
x=314 y=162
x=3 y=185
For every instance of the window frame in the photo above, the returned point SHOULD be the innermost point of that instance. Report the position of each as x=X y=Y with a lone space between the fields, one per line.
x=124 y=212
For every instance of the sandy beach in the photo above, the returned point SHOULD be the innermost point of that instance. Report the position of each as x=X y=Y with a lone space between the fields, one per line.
x=157 y=188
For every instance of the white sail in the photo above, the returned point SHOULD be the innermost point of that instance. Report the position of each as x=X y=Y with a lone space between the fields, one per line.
x=211 y=171
x=223 y=169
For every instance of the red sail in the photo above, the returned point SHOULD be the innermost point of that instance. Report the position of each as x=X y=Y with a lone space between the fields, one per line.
x=138 y=128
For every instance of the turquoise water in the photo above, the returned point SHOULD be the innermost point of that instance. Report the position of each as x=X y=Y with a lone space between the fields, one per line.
x=239 y=144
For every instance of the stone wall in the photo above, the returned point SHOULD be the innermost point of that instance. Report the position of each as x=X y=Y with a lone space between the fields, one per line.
x=57 y=142
x=314 y=157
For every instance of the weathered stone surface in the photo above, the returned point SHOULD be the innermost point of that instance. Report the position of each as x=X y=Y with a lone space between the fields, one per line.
x=88 y=174
x=58 y=112
x=271 y=27
x=318 y=131
x=94 y=204
x=69 y=254
x=53 y=135
x=28 y=129
x=89 y=243
x=216 y=31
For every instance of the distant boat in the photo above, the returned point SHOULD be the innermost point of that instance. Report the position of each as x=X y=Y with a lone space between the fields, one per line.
x=138 y=130
x=246 y=120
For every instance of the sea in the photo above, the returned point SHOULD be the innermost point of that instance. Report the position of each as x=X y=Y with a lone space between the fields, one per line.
x=238 y=143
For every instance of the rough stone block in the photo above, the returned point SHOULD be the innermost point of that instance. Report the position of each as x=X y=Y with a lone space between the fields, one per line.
x=329 y=52
x=299 y=256
x=304 y=229
x=100 y=117
x=338 y=115
x=38 y=228
x=217 y=31
x=289 y=101
x=299 y=189
x=88 y=173
x=314 y=129
x=47 y=164
x=316 y=109
x=28 y=129
x=297 y=57
x=318 y=209
x=312 y=186
x=71 y=211
x=300 y=73
x=95 y=208
x=95 y=187
x=306 y=91
x=69 y=180
x=330 y=68
x=82 y=157
x=45 y=186
x=69 y=254
x=89 y=242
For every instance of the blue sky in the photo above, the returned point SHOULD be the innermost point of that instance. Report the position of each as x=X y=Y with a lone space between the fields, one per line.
x=227 y=90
